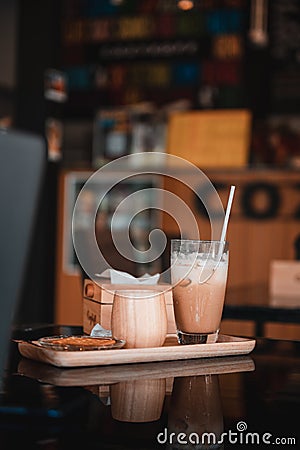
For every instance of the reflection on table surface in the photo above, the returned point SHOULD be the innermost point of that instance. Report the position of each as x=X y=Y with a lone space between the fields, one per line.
x=105 y=375
x=196 y=411
x=164 y=405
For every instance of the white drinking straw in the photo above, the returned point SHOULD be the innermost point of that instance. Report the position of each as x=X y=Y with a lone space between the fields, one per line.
x=228 y=209
x=223 y=234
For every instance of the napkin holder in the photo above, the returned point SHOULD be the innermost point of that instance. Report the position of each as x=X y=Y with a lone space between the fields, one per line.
x=98 y=302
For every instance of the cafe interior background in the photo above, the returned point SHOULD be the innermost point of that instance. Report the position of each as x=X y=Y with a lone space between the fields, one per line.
x=216 y=84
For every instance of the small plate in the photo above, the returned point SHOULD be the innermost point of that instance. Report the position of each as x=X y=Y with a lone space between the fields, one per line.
x=79 y=343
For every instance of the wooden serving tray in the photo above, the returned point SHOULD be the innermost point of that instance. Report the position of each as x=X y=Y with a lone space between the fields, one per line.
x=171 y=350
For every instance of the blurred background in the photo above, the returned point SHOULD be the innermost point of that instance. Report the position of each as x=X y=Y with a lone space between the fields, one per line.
x=216 y=82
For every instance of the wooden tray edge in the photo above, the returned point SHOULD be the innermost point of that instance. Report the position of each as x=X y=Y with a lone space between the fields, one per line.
x=230 y=346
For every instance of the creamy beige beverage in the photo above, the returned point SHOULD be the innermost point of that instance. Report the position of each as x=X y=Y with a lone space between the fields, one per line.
x=198 y=305
x=199 y=284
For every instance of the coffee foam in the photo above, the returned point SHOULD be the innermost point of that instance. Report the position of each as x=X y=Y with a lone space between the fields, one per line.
x=198 y=271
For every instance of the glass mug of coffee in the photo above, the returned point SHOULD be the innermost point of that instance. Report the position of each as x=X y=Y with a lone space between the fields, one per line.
x=139 y=317
x=199 y=277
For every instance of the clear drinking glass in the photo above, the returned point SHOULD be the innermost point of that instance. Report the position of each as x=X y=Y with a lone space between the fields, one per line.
x=199 y=277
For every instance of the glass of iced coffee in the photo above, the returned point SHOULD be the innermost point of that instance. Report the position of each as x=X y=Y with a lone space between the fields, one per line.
x=199 y=277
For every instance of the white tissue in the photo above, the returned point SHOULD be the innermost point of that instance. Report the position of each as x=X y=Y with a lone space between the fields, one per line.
x=118 y=277
x=99 y=331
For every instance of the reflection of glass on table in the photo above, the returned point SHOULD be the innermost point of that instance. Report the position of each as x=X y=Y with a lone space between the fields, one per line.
x=196 y=411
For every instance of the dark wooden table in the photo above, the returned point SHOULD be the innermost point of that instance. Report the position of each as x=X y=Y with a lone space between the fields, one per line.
x=251 y=398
